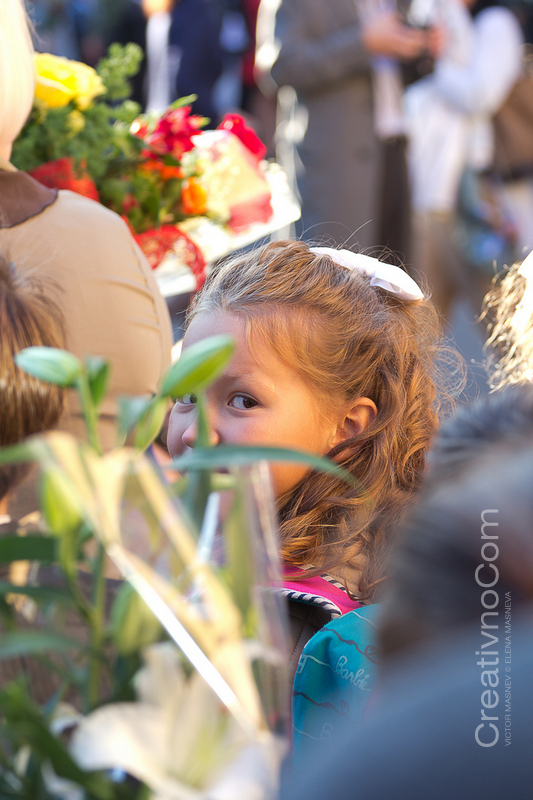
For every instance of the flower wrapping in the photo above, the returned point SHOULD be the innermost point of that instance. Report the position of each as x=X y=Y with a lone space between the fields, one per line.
x=156 y=243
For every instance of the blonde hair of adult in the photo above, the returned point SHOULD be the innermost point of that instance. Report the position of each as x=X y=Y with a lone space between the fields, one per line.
x=17 y=72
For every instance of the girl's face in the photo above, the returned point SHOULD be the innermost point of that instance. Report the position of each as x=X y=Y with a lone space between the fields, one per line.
x=258 y=400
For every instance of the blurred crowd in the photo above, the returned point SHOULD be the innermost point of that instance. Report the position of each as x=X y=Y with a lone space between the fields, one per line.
x=201 y=47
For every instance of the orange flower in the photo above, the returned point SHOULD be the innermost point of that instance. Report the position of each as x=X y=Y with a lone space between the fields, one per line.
x=152 y=165
x=171 y=172
x=194 y=197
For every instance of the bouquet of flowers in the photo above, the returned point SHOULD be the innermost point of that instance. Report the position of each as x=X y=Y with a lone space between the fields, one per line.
x=84 y=134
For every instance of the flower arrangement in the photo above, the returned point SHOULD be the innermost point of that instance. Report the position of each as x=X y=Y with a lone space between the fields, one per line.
x=86 y=135
x=75 y=112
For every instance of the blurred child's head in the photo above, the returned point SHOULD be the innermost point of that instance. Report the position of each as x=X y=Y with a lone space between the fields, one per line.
x=477 y=428
x=509 y=310
x=364 y=362
x=28 y=318
x=478 y=487
x=17 y=72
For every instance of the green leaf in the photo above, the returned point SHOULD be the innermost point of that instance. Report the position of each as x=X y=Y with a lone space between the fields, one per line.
x=237 y=455
x=23 y=643
x=58 y=502
x=188 y=100
x=130 y=411
x=27 y=548
x=239 y=556
x=28 y=726
x=134 y=625
x=44 y=593
x=198 y=366
x=50 y=364
x=120 y=63
x=30 y=450
x=7 y=615
x=98 y=377
x=150 y=423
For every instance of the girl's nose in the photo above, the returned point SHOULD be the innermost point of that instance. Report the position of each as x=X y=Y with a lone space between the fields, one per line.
x=190 y=435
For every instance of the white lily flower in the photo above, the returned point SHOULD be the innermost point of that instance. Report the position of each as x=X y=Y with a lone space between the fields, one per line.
x=177 y=738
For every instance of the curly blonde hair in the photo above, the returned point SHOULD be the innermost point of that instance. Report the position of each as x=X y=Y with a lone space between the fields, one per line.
x=508 y=313
x=348 y=340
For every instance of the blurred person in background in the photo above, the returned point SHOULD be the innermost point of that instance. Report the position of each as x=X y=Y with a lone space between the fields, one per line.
x=259 y=108
x=449 y=124
x=69 y=28
x=183 y=55
x=342 y=59
x=195 y=35
x=130 y=26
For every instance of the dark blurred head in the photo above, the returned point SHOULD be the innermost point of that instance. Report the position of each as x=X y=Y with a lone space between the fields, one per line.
x=474 y=429
x=480 y=484
x=28 y=317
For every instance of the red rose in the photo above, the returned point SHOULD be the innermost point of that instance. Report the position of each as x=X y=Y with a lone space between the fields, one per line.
x=236 y=124
x=172 y=133
x=129 y=202
x=60 y=174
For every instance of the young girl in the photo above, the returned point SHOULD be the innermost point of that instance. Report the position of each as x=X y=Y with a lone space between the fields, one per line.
x=335 y=355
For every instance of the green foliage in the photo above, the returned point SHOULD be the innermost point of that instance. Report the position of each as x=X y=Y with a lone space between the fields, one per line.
x=232 y=455
x=198 y=366
x=87 y=136
x=120 y=64
x=141 y=177
x=50 y=364
x=21 y=548
x=28 y=726
x=97 y=377
x=133 y=624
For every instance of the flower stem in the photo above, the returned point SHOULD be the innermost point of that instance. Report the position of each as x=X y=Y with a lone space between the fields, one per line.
x=89 y=412
x=199 y=482
x=97 y=629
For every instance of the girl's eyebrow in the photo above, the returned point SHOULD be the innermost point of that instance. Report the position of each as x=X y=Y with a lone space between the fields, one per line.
x=227 y=377
x=247 y=374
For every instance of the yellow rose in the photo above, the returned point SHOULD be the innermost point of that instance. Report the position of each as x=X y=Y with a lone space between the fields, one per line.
x=60 y=80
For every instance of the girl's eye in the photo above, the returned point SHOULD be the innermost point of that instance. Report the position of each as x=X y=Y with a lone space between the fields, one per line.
x=187 y=400
x=242 y=402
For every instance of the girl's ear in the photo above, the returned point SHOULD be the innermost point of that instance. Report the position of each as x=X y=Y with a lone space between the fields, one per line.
x=355 y=420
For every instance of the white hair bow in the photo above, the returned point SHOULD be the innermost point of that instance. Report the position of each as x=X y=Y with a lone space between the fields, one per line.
x=386 y=276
